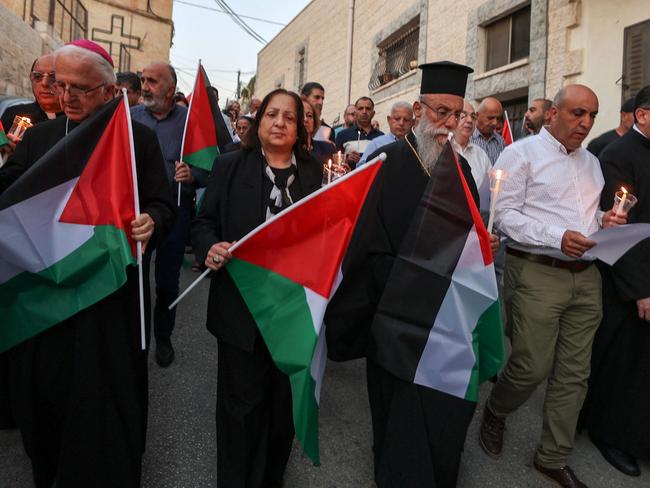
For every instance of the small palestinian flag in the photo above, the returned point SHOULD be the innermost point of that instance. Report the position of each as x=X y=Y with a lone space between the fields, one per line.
x=287 y=270
x=65 y=227
x=506 y=132
x=3 y=136
x=438 y=322
x=205 y=134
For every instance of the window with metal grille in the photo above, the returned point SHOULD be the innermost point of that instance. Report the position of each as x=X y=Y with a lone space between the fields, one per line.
x=397 y=55
x=507 y=39
x=636 y=52
x=69 y=18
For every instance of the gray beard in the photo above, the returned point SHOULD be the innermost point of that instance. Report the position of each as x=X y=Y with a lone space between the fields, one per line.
x=428 y=149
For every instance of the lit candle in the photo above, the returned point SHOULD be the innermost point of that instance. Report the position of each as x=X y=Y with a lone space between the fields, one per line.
x=20 y=125
x=498 y=174
x=621 y=205
x=358 y=140
x=329 y=171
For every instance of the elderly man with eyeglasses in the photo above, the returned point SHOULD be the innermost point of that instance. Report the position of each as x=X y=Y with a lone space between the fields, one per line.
x=46 y=106
x=79 y=389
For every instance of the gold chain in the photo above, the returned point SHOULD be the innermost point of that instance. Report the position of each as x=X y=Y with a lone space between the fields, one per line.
x=424 y=168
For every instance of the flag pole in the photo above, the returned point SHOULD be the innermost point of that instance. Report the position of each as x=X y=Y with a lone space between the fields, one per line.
x=136 y=200
x=187 y=119
x=380 y=158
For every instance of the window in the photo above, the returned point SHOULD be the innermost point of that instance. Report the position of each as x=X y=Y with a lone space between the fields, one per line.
x=300 y=62
x=397 y=55
x=636 y=52
x=508 y=39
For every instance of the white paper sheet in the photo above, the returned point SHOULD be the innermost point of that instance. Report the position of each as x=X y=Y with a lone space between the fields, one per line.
x=613 y=242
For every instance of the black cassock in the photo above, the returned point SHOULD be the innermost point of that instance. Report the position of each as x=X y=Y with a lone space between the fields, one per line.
x=616 y=408
x=78 y=391
x=418 y=433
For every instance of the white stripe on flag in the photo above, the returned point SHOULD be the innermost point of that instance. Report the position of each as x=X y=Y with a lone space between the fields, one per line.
x=31 y=236
x=448 y=357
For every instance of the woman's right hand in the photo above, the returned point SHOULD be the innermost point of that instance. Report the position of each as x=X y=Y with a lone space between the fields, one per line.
x=218 y=255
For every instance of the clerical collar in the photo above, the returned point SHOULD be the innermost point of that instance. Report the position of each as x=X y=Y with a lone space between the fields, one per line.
x=50 y=115
x=639 y=131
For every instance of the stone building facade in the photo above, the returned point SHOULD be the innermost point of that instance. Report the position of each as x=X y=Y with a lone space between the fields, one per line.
x=350 y=45
x=133 y=31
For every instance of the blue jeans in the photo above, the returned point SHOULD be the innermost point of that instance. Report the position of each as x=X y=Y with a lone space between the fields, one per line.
x=169 y=259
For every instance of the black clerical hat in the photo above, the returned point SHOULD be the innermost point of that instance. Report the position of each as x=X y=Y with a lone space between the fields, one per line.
x=444 y=77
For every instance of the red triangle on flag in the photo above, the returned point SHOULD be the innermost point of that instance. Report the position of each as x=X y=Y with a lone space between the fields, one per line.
x=506 y=132
x=104 y=193
x=200 y=131
x=308 y=242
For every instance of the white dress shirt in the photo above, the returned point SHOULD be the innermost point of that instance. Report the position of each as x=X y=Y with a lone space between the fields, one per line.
x=478 y=160
x=547 y=192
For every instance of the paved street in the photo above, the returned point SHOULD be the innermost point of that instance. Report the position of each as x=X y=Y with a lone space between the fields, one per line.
x=181 y=439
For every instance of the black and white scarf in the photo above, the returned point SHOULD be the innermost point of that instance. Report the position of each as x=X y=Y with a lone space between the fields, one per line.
x=280 y=198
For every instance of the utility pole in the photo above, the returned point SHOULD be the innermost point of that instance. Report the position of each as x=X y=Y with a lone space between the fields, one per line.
x=238 y=83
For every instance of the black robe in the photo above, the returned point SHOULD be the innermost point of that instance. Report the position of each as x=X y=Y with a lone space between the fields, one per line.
x=418 y=433
x=32 y=110
x=78 y=391
x=616 y=408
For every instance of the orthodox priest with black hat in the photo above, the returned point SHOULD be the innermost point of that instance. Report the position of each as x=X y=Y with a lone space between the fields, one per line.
x=616 y=409
x=418 y=432
x=79 y=389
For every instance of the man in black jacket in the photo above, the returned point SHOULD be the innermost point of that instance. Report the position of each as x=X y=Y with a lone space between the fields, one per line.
x=79 y=390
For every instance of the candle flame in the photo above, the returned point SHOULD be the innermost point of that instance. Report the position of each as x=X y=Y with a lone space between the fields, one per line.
x=498 y=174
x=624 y=190
x=27 y=119
x=329 y=163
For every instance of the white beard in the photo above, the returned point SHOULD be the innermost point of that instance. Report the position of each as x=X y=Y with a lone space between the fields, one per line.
x=428 y=147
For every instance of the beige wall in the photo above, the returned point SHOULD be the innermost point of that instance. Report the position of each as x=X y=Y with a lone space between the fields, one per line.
x=154 y=34
x=602 y=55
x=583 y=43
x=21 y=43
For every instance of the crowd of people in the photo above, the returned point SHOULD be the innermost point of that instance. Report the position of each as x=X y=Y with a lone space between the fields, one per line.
x=78 y=392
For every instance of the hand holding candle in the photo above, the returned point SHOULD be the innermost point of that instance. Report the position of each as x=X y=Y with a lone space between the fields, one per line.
x=19 y=127
x=623 y=202
x=496 y=176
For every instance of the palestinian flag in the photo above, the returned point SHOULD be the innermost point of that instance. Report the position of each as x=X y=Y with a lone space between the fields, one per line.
x=65 y=227
x=506 y=132
x=287 y=270
x=3 y=136
x=205 y=133
x=445 y=332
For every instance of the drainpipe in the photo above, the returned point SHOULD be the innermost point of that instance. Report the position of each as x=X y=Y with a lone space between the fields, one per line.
x=348 y=53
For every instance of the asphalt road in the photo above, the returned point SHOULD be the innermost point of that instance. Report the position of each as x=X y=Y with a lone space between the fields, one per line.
x=181 y=451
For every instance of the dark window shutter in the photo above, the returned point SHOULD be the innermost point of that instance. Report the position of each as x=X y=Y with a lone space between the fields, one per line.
x=636 y=68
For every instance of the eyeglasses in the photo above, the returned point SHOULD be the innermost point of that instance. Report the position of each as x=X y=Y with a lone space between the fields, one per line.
x=74 y=91
x=442 y=113
x=37 y=77
x=473 y=115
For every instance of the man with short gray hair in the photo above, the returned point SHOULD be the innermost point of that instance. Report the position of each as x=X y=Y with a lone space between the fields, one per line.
x=167 y=119
x=79 y=389
x=400 y=122
x=485 y=135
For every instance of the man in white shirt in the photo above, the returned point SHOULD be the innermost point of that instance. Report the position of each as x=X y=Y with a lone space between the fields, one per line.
x=400 y=121
x=547 y=206
x=476 y=157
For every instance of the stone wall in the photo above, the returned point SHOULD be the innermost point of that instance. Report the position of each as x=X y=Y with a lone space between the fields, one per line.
x=19 y=46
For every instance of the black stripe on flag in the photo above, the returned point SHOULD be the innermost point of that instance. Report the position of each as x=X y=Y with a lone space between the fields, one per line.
x=224 y=137
x=64 y=161
x=422 y=271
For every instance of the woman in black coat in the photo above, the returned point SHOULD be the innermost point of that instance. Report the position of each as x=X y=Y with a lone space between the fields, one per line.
x=273 y=170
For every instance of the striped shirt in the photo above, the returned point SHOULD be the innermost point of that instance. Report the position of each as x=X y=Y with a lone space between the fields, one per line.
x=492 y=146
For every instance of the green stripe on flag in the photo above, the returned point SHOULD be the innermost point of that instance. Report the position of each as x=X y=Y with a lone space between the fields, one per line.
x=280 y=309
x=3 y=138
x=33 y=302
x=487 y=343
x=202 y=159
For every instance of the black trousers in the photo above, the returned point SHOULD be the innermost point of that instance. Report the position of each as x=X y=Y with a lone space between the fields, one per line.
x=254 y=420
x=418 y=433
